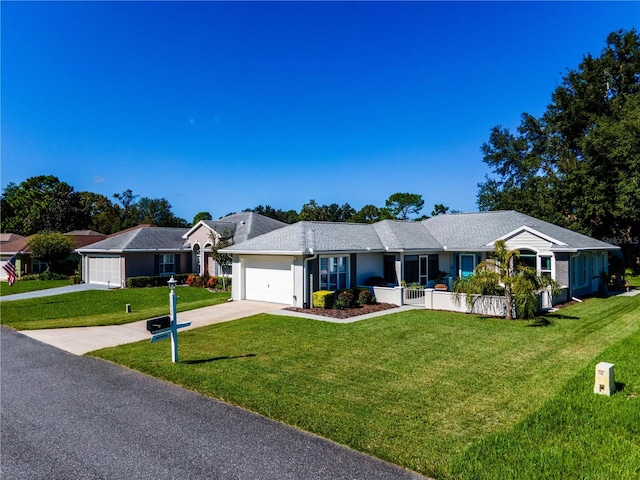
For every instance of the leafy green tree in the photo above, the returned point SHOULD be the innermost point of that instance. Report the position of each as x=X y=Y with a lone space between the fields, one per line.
x=102 y=213
x=401 y=205
x=157 y=211
x=502 y=274
x=286 y=216
x=127 y=210
x=53 y=248
x=367 y=214
x=201 y=216
x=41 y=203
x=439 y=209
x=326 y=213
x=578 y=165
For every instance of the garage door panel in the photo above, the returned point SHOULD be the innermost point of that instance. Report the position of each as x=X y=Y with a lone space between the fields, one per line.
x=104 y=270
x=269 y=280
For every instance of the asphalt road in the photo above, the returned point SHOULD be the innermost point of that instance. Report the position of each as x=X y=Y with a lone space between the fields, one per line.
x=72 y=417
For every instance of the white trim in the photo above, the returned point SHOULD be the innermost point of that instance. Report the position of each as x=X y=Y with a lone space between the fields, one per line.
x=518 y=230
x=196 y=227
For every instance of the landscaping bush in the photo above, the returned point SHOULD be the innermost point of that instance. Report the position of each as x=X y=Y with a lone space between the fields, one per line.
x=194 y=280
x=365 y=297
x=323 y=299
x=156 y=281
x=31 y=276
x=376 y=282
x=49 y=275
x=346 y=299
x=220 y=285
x=212 y=282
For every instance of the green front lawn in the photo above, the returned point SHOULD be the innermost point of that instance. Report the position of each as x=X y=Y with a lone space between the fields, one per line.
x=448 y=395
x=102 y=307
x=23 y=286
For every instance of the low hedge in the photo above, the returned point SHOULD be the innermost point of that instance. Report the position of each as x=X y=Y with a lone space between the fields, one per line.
x=155 y=281
x=323 y=299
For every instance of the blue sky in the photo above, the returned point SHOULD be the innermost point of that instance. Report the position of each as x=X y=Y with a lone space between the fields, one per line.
x=222 y=106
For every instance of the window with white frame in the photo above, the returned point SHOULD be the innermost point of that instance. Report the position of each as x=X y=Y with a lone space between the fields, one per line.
x=545 y=266
x=579 y=271
x=333 y=272
x=167 y=264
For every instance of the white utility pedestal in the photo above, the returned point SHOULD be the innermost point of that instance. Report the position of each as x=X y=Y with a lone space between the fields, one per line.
x=605 y=379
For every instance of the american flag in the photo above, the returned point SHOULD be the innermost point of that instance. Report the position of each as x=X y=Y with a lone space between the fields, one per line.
x=10 y=268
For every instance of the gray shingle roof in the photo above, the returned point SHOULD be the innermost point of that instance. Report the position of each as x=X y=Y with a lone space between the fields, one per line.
x=143 y=239
x=316 y=237
x=471 y=232
x=474 y=231
x=244 y=225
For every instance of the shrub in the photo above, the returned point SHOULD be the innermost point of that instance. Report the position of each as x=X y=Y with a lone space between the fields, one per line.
x=156 y=281
x=31 y=276
x=346 y=299
x=323 y=299
x=212 y=282
x=220 y=285
x=191 y=279
x=365 y=297
x=376 y=282
x=49 y=275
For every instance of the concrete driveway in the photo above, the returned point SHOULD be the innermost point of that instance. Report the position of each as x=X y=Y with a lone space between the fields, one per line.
x=80 y=340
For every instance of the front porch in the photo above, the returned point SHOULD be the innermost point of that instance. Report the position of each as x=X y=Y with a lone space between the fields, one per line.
x=434 y=299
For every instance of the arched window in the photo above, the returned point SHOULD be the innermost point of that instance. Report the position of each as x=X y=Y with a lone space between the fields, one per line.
x=528 y=259
x=196 y=253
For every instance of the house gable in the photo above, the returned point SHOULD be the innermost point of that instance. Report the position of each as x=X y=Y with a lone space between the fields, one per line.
x=526 y=237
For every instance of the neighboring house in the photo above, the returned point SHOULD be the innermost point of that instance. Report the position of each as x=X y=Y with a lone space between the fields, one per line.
x=287 y=265
x=146 y=250
x=12 y=244
x=241 y=226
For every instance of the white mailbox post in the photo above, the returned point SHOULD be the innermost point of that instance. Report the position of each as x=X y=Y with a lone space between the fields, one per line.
x=173 y=329
x=605 y=379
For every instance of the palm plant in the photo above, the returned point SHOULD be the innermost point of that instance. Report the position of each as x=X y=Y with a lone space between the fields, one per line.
x=503 y=274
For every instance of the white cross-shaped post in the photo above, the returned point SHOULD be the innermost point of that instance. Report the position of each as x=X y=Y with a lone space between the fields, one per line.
x=173 y=329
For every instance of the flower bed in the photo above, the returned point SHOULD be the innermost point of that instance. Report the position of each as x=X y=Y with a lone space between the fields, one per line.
x=345 y=313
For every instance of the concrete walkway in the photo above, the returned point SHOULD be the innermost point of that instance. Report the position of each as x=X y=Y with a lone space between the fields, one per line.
x=80 y=340
x=630 y=293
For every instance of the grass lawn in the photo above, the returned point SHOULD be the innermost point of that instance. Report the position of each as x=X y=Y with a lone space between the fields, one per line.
x=30 y=286
x=448 y=395
x=102 y=307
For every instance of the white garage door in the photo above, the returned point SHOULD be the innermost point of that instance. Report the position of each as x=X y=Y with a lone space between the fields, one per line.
x=104 y=270
x=269 y=280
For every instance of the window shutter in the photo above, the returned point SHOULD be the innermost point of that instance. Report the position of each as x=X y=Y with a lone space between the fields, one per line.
x=352 y=275
x=156 y=265
x=176 y=260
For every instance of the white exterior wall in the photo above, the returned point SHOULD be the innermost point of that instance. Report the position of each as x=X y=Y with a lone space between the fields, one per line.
x=488 y=305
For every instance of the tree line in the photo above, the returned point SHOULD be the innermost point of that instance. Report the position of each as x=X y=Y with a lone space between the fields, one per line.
x=46 y=204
